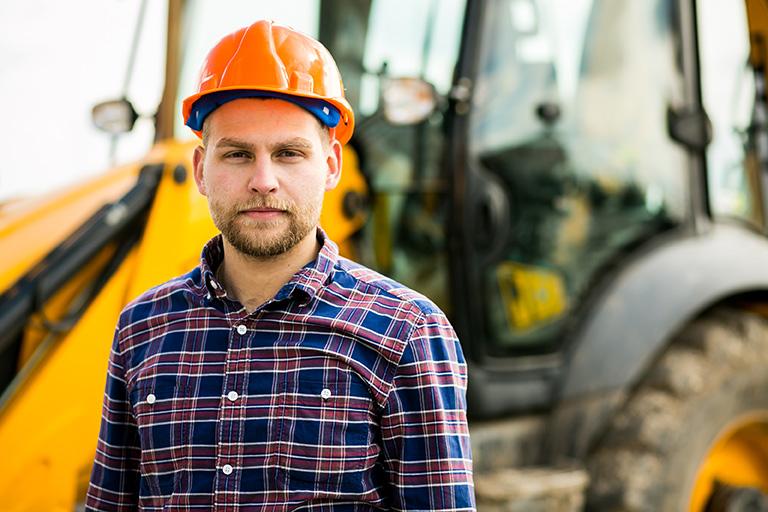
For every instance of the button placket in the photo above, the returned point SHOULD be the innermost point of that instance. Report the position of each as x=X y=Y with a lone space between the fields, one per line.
x=231 y=416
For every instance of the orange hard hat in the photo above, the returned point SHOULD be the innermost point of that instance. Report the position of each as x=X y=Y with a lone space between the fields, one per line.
x=274 y=61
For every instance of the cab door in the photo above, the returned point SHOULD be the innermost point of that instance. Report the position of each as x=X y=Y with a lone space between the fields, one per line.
x=563 y=168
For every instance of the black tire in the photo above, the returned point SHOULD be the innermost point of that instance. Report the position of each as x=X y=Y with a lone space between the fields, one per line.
x=715 y=371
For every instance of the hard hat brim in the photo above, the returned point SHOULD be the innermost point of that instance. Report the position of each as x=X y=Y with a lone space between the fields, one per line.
x=197 y=107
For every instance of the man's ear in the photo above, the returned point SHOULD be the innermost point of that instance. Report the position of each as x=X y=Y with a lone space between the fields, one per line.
x=334 y=164
x=197 y=161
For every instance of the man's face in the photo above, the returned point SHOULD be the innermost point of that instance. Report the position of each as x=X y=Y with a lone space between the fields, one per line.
x=264 y=169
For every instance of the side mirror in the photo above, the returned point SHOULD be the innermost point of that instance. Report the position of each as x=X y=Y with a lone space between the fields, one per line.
x=407 y=101
x=114 y=116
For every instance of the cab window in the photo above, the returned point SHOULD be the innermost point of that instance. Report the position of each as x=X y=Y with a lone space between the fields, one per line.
x=569 y=116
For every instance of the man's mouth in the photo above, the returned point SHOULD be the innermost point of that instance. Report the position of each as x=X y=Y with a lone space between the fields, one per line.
x=263 y=213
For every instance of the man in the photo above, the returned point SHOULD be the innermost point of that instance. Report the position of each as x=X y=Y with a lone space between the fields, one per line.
x=278 y=375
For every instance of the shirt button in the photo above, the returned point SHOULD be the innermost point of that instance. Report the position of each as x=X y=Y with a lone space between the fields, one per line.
x=227 y=469
x=325 y=394
x=232 y=395
x=151 y=398
x=241 y=329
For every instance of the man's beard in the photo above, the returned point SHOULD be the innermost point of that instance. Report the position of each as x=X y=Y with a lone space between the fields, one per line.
x=264 y=238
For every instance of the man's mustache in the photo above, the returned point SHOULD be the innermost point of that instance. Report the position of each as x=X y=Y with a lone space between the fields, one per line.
x=265 y=202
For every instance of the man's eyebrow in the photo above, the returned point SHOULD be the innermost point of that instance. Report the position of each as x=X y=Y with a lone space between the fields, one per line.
x=293 y=142
x=233 y=143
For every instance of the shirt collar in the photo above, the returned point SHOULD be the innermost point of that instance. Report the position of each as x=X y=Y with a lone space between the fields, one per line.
x=307 y=282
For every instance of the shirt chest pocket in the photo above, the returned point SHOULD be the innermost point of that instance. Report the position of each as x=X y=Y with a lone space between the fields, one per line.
x=161 y=411
x=326 y=441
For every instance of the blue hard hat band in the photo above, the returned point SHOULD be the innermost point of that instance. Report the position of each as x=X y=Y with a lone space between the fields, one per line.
x=325 y=112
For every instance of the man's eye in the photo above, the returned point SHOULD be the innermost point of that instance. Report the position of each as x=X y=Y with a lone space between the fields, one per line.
x=236 y=155
x=289 y=153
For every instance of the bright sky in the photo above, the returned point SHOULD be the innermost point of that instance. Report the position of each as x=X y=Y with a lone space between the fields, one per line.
x=59 y=59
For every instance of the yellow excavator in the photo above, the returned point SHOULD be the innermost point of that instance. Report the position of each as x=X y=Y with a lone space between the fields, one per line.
x=582 y=185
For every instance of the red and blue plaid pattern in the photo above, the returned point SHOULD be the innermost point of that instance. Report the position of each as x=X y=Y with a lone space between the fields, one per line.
x=345 y=392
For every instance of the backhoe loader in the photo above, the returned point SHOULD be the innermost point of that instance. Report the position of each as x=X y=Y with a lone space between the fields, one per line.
x=582 y=185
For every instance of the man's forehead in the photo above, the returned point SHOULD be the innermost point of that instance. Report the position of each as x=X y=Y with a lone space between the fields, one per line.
x=262 y=118
x=264 y=106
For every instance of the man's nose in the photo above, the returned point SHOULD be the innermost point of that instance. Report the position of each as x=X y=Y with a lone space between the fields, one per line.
x=263 y=178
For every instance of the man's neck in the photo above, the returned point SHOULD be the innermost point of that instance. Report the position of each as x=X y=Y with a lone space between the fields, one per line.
x=253 y=281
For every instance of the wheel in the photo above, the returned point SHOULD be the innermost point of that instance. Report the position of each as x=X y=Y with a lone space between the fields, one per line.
x=698 y=422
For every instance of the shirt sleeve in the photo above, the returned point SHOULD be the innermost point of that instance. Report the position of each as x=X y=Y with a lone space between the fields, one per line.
x=114 y=484
x=425 y=438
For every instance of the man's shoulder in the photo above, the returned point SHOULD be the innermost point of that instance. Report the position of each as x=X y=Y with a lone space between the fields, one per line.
x=380 y=287
x=403 y=326
x=172 y=295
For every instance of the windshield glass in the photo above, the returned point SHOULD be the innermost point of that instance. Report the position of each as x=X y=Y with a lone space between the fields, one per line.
x=728 y=90
x=370 y=39
x=570 y=120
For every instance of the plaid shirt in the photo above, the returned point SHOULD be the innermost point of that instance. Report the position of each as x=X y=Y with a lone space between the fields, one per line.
x=346 y=391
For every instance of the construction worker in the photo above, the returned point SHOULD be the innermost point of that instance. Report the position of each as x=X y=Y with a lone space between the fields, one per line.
x=278 y=375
